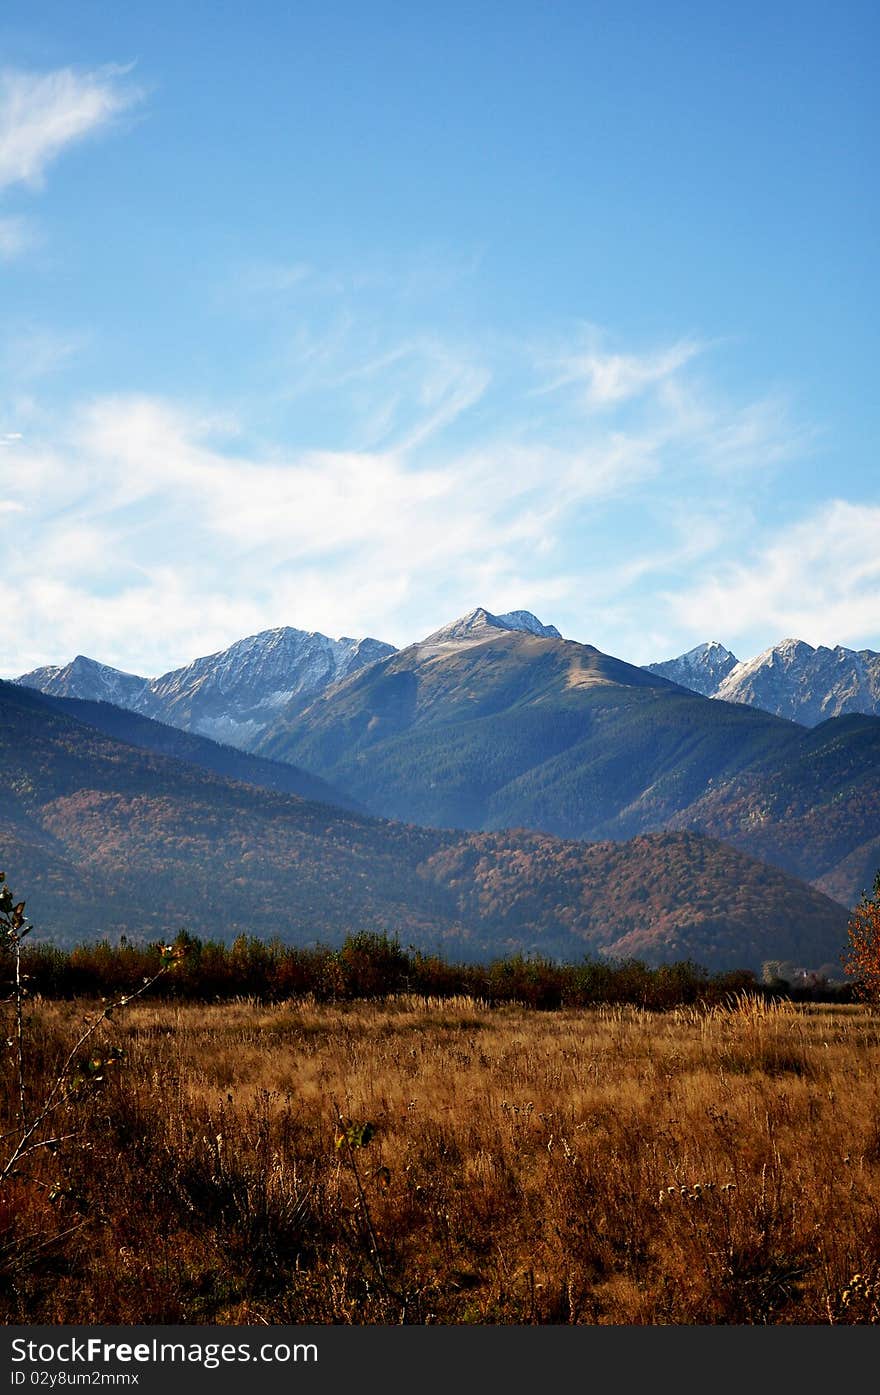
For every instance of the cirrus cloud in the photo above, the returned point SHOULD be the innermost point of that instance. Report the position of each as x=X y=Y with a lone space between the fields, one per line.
x=41 y=116
x=150 y=531
x=818 y=580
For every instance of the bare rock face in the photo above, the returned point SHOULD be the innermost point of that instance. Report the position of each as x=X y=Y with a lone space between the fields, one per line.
x=701 y=669
x=790 y=679
x=479 y=624
x=808 y=685
x=88 y=679
x=233 y=696
x=230 y=696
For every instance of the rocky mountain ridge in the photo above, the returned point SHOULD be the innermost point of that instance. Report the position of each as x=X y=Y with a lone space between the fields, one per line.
x=229 y=696
x=233 y=696
x=791 y=679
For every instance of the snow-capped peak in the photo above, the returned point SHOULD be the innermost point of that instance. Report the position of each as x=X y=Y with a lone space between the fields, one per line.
x=89 y=679
x=790 y=679
x=529 y=623
x=700 y=669
x=231 y=695
x=234 y=694
x=476 y=623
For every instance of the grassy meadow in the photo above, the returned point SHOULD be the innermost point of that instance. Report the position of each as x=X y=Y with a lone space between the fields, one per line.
x=606 y=1165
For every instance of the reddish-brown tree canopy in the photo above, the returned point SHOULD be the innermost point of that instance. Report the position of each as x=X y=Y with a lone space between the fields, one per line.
x=863 y=959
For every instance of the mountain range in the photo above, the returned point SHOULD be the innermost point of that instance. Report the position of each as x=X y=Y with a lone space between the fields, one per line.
x=104 y=836
x=495 y=723
x=791 y=679
x=235 y=695
x=231 y=695
x=485 y=728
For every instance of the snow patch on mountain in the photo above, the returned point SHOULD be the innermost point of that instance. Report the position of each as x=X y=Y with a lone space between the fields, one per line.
x=230 y=696
x=480 y=624
x=791 y=679
x=530 y=624
x=39 y=678
x=234 y=694
x=86 y=678
x=700 y=669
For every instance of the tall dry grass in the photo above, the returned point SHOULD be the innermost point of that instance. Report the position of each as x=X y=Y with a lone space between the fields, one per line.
x=595 y=1166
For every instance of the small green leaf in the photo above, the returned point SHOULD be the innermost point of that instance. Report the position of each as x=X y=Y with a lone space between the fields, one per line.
x=359 y=1135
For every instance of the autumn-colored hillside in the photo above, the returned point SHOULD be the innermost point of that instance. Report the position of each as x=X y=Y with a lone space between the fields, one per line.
x=108 y=838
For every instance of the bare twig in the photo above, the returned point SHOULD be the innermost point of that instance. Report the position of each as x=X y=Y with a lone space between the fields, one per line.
x=15 y=927
x=55 y=1098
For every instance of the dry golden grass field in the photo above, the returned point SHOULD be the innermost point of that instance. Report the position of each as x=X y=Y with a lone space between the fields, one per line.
x=603 y=1166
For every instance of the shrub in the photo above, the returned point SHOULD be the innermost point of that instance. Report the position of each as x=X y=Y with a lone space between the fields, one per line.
x=863 y=959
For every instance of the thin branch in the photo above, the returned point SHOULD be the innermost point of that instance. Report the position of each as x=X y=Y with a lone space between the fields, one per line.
x=19 y=1032
x=55 y=1099
x=46 y=1143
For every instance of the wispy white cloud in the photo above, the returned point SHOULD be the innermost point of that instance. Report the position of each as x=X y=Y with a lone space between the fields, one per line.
x=736 y=436
x=41 y=114
x=17 y=235
x=606 y=378
x=818 y=579
x=150 y=531
x=262 y=279
x=29 y=352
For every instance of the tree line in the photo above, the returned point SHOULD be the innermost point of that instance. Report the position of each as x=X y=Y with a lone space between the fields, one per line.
x=374 y=965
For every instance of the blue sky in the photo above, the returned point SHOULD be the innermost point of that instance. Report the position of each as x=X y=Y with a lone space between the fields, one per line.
x=355 y=316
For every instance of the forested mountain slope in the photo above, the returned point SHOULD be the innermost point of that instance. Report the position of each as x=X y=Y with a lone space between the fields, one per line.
x=103 y=837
